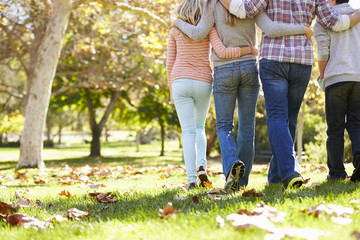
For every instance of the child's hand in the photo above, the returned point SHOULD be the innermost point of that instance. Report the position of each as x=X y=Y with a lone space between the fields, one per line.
x=308 y=32
x=255 y=51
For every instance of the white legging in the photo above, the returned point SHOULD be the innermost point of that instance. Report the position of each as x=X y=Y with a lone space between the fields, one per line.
x=192 y=99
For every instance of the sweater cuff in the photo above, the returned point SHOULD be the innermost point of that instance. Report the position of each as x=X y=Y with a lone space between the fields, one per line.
x=323 y=57
x=342 y=24
x=237 y=8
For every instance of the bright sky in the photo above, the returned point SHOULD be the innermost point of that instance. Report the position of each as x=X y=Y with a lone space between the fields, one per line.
x=355 y=3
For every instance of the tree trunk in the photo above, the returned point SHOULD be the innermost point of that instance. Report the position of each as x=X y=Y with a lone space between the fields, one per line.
x=96 y=129
x=95 y=143
x=59 y=133
x=299 y=135
x=138 y=137
x=210 y=143
x=31 y=144
x=162 y=129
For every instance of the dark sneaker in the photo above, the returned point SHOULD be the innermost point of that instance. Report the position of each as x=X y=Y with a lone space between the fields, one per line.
x=192 y=186
x=332 y=178
x=355 y=177
x=237 y=170
x=294 y=181
x=202 y=175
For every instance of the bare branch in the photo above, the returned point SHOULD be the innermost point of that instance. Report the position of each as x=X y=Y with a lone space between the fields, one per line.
x=13 y=35
x=48 y=4
x=109 y=108
x=67 y=88
x=141 y=11
x=11 y=90
x=126 y=7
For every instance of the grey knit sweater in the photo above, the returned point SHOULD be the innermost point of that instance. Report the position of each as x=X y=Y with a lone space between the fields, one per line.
x=340 y=49
x=242 y=33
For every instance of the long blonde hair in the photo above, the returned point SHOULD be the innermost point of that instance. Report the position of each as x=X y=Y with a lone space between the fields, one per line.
x=189 y=11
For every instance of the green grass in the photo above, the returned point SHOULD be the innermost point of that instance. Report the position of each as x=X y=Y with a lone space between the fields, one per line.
x=135 y=215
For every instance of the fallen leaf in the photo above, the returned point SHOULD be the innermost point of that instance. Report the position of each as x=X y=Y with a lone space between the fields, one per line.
x=244 y=222
x=245 y=212
x=40 y=181
x=270 y=212
x=195 y=199
x=106 y=198
x=341 y=220
x=65 y=193
x=305 y=181
x=22 y=202
x=39 y=203
x=168 y=211
x=252 y=193
x=57 y=218
x=96 y=185
x=76 y=214
x=208 y=184
x=330 y=209
x=216 y=191
x=6 y=208
x=19 y=219
x=94 y=194
x=221 y=221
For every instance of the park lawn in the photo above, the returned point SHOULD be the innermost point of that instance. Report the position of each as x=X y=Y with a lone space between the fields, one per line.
x=143 y=183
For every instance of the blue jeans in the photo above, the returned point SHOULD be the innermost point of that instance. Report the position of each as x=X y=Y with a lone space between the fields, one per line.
x=342 y=108
x=192 y=99
x=236 y=81
x=284 y=86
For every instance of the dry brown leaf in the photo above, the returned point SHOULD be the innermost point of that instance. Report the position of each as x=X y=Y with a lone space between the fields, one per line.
x=40 y=180
x=216 y=191
x=6 y=208
x=168 y=211
x=244 y=222
x=57 y=218
x=22 y=202
x=252 y=193
x=39 y=203
x=208 y=184
x=94 y=194
x=330 y=209
x=195 y=199
x=65 y=193
x=305 y=181
x=270 y=212
x=77 y=214
x=245 y=212
x=106 y=198
x=19 y=219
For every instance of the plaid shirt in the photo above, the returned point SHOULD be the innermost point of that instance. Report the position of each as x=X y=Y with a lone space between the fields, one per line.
x=298 y=48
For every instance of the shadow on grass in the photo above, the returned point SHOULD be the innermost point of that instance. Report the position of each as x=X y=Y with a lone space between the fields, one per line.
x=101 y=161
x=144 y=206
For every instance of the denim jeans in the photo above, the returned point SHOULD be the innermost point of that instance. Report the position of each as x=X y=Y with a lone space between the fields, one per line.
x=342 y=108
x=284 y=86
x=236 y=82
x=192 y=99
